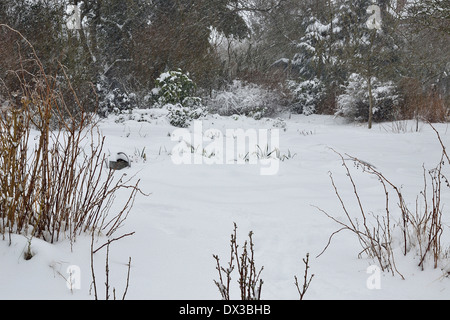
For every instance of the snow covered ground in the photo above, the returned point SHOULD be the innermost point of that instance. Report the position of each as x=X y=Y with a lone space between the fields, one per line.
x=190 y=213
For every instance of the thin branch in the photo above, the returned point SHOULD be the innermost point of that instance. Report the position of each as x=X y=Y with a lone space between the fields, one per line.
x=112 y=240
x=306 y=281
x=128 y=279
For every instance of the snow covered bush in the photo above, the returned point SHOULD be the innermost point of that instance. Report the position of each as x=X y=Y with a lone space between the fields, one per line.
x=245 y=98
x=354 y=102
x=175 y=91
x=306 y=95
x=181 y=114
x=173 y=87
x=115 y=100
x=112 y=98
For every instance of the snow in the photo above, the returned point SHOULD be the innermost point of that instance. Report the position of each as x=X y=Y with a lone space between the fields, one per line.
x=190 y=212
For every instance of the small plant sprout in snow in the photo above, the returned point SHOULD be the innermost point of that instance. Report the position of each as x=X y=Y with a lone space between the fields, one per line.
x=139 y=155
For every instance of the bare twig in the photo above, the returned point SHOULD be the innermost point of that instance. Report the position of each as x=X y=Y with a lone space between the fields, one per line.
x=306 y=281
x=94 y=284
x=107 y=270
x=128 y=279
x=112 y=240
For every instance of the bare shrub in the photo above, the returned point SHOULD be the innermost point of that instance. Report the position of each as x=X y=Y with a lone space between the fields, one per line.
x=374 y=235
x=427 y=223
x=422 y=104
x=56 y=186
x=250 y=284
x=421 y=229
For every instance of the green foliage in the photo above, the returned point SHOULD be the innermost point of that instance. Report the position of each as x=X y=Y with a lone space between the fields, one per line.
x=306 y=95
x=173 y=87
x=181 y=116
x=175 y=91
